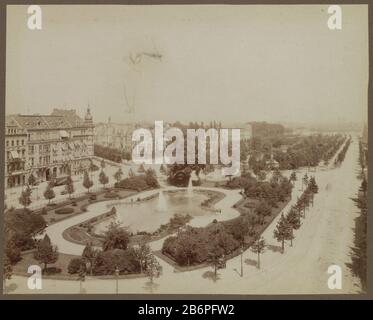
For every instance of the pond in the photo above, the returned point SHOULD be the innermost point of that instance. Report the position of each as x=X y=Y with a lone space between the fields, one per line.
x=148 y=215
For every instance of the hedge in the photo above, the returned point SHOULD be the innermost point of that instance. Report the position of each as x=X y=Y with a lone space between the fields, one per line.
x=65 y=210
x=110 y=195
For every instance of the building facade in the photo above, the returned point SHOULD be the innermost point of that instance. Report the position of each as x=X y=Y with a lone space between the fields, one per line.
x=47 y=146
x=114 y=135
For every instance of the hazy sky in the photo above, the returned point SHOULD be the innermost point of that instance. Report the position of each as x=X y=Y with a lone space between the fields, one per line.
x=229 y=63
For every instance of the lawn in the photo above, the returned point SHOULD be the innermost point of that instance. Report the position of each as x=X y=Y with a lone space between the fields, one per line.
x=28 y=259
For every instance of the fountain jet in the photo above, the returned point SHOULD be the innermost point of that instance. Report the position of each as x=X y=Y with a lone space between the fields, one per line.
x=190 y=187
x=162 y=205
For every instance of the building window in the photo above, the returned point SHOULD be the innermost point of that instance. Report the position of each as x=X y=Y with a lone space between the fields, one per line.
x=12 y=143
x=7 y=143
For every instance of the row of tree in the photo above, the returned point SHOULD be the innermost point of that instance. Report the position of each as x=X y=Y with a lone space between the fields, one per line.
x=359 y=251
x=111 y=154
x=303 y=152
x=292 y=220
x=49 y=194
x=341 y=155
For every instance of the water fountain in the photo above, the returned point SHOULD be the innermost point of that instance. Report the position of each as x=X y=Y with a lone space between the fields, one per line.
x=161 y=205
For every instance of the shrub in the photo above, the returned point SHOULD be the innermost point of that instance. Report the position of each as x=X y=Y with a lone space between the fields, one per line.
x=193 y=245
x=125 y=260
x=133 y=183
x=12 y=253
x=44 y=211
x=93 y=197
x=115 y=238
x=138 y=183
x=75 y=265
x=110 y=195
x=240 y=182
x=53 y=270
x=65 y=210
x=74 y=204
x=23 y=226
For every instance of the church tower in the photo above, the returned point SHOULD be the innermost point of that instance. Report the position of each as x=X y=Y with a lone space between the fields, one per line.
x=88 y=121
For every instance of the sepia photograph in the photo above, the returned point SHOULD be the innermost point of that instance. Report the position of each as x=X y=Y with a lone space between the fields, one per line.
x=186 y=149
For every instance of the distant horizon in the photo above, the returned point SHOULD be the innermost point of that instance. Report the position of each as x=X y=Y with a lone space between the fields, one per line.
x=286 y=124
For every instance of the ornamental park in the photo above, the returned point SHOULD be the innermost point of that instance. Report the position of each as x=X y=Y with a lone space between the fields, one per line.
x=113 y=225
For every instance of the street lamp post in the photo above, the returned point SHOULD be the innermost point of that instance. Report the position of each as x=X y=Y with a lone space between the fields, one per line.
x=241 y=261
x=116 y=278
x=82 y=274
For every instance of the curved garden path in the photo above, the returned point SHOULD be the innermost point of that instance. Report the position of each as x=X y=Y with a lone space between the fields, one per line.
x=56 y=230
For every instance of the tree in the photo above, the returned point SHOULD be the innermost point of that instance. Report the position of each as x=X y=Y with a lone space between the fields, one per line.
x=49 y=193
x=258 y=247
x=187 y=247
x=69 y=186
x=45 y=252
x=141 y=169
x=261 y=175
x=131 y=173
x=153 y=268
x=313 y=185
x=25 y=198
x=118 y=175
x=103 y=178
x=87 y=183
x=305 y=201
x=263 y=209
x=92 y=167
x=282 y=232
x=12 y=252
x=293 y=219
x=103 y=165
x=276 y=176
x=143 y=255
x=239 y=228
x=162 y=169
x=7 y=272
x=31 y=179
x=115 y=237
x=151 y=178
x=364 y=186
x=305 y=180
x=215 y=256
x=90 y=254
x=298 y=207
